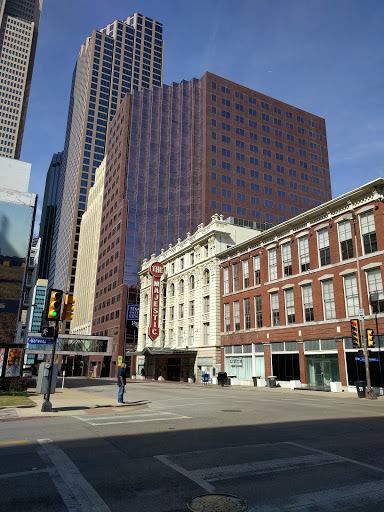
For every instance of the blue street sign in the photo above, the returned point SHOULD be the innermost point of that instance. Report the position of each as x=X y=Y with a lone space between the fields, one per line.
x=133 y=313
x=40 y=341
x=370 y=359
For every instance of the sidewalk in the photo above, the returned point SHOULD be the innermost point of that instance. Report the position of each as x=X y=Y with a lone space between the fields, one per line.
x=74 y=402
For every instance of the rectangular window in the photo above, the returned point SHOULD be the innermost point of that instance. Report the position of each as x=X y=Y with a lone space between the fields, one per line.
x=375 y=290
x=181 y=310
x=289 y=306
x=206 y=333
x=181 y=336
x=258 y=312
x=328 y=300
x=206 y=304
x=368 y=232
x=191 y=308
x=245 y=268
x=351 y=295
x=191 y=335
x=172 y=312
x=345 y=239
x=275 y=315
x=272 y=264
x=256 y=269
x=226 y=280
x=247 y=314
x=323 y=243
x=236 y=315
x=287 y=259
x=227 y=318
x=235 y=277
x=307 y=302
x=304 y=254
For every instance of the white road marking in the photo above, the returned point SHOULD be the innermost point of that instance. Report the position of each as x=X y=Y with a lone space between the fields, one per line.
x=206 y=486
x=77 y=494
x=342 y=459
x=178 y=405
x=144 y=417
x=23 y=473
x=367 y=494
x=264 y=466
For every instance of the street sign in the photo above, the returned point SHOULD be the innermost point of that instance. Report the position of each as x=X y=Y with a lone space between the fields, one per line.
x=370 y=359
x=47 y=332
x=361 y=313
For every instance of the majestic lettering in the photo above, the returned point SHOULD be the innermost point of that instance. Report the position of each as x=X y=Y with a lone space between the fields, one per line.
x=156 y=270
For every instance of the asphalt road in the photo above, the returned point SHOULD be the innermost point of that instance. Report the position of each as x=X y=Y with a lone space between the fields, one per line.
x=278 y=451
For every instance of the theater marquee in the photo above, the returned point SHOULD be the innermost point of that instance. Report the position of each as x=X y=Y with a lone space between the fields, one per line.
x=156 y=270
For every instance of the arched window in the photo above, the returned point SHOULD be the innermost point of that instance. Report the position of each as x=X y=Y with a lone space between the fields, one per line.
x=192 y=282
x=206 y=276
x=172 y=290
x=181 y=286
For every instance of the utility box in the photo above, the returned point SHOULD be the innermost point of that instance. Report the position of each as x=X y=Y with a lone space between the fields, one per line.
x=43 y=378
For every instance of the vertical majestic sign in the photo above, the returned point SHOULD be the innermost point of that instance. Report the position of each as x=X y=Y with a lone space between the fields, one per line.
x=156 y=270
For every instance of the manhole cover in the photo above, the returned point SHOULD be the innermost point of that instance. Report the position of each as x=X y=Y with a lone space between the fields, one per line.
x=216 y=503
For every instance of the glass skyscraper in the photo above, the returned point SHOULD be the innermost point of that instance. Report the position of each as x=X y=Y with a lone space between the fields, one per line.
x=120 y=58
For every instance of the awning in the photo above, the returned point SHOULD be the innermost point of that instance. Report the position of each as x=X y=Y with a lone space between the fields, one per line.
x=162 y=351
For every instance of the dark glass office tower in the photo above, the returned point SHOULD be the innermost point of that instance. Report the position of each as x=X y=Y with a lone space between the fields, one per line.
x=48 y=214
x=19 y=27
x=122 y=57
x=179 y=154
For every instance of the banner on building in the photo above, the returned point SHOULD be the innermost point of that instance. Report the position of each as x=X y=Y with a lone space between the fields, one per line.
x=133 y=312
x=156 y=270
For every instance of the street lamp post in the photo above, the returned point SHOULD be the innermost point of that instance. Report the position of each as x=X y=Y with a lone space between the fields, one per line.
x=369 y=391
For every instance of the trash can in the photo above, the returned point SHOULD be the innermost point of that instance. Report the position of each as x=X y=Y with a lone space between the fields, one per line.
x=271 y=381
x=255 y=380
x=360 y=388
x=222 y=378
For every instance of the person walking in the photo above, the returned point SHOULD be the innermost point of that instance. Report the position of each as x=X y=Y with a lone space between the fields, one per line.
x=121 y=381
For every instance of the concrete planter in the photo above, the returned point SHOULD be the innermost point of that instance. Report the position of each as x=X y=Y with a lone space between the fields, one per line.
x=336 y=387
x=295 y=384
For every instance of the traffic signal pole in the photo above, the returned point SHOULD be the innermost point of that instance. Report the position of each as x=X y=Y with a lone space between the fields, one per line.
x=47 y=406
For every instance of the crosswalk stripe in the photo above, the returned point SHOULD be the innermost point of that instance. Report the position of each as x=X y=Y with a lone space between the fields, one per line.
x=368 y=494
x=131 y=418
x=264 y=466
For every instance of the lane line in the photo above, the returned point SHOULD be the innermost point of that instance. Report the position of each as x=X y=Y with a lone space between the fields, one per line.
x=76 y=492
x=24 y=473
x=3 y=443
x=206 y=486
x=264 y=466
x=369 y=495
x=346 y=459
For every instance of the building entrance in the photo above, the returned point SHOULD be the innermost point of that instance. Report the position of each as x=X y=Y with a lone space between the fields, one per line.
x=322 y=370
x=173 y=368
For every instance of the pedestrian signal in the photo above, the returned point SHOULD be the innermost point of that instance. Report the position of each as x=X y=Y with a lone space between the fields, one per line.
x=355 y=333
x=370 y=338
x=55 y=298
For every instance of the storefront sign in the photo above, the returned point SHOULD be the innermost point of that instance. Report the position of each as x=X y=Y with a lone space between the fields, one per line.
x=236 y=361
x=156 y=270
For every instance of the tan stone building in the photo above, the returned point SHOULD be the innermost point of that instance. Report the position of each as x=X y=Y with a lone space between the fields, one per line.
x=87 y=257
x=189 y=340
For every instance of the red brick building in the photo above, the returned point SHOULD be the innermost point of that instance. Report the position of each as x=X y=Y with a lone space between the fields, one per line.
x=288 y=295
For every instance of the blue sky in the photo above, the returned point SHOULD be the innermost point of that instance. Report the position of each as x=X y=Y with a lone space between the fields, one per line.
x=325 y=57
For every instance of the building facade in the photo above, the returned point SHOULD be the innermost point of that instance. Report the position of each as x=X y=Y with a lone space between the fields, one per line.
x=306 y=279
x=87 y=258
x=37 y=307
x=48 y=214
x=179 y=154
x=19 y=26
x=115 y=60
x=189 y=340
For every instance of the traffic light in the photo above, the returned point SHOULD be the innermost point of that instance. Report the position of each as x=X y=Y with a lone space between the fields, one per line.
x=69 y=307
x=55 y=299
x=355 y=331
x=370 y=340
